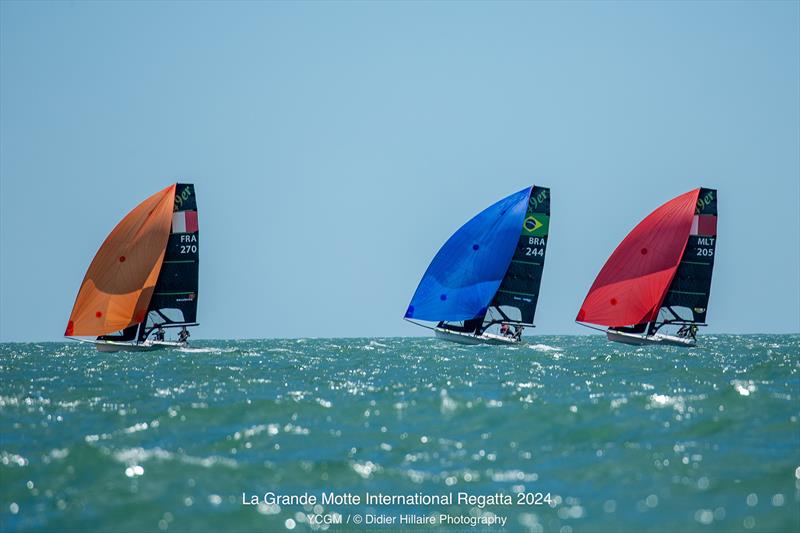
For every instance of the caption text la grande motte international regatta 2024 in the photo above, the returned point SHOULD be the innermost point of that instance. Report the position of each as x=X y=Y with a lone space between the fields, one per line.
x=417 y=498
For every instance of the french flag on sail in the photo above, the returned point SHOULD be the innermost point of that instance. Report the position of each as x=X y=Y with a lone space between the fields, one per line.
x=184 y=222
x=704 y=225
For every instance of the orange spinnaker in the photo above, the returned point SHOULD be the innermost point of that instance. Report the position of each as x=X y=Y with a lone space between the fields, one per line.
x=117 y=288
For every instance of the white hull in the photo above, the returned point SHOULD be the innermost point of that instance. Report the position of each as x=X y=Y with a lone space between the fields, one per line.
x=467 y=338
x=147 y=346
x=637 y=339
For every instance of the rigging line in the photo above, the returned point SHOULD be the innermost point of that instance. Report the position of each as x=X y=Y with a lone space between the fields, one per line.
x=174 y=293
x=590 y=327
x=688 y=292
x=516 y=292
x=418 y=324
x=175 y=325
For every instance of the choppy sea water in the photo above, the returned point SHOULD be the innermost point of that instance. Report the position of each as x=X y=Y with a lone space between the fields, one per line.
x=621 y=438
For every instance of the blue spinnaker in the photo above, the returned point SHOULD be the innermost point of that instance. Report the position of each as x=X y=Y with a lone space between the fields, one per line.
x=465 y=274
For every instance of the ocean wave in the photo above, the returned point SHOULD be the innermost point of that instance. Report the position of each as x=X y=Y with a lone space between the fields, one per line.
x=138 y=455
x=271 y=429
x=207 y=350
x=544 y=348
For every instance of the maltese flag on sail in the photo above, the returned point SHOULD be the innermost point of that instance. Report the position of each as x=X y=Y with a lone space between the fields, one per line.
x=704 y=225
x=184 y=222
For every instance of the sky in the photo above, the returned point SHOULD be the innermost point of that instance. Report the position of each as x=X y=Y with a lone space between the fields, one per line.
x=336 y=146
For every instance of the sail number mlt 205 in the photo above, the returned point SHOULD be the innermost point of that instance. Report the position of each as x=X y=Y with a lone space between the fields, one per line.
x=705 y=252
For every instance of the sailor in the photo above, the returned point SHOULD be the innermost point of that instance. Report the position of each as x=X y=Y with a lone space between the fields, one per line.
x=159 y=333
x=183 y=336
x=518 y=331
x=504 y=329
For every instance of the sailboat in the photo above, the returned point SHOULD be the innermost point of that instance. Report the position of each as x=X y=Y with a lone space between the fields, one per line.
x=659 y=277
x=486 y=277
x=144 y=277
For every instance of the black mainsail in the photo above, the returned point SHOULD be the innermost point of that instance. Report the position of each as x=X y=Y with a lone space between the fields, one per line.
x=516 y=299
x=174 y=301
x=686 y=301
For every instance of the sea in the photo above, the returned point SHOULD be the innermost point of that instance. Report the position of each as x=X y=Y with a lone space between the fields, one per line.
x=561 y=433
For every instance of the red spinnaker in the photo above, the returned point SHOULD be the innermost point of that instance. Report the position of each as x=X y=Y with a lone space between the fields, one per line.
x=632 y=284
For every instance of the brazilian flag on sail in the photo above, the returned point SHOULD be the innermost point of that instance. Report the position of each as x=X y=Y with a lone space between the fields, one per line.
x=536 y=225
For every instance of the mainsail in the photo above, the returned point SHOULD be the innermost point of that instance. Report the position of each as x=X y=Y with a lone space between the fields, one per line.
x=515 y=300
x=664 y=262
x=174 y=298
x=687 y=296
x=491 y=265
x=147 y=263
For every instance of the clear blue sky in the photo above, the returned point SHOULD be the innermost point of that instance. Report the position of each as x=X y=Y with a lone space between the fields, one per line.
x=335 y=146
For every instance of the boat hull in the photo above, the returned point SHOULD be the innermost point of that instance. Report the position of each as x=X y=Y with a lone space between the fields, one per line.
x=466 y=338
x=148 y=346
x=658 y=339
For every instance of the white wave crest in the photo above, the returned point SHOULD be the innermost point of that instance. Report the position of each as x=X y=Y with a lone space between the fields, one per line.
x=544 y=348
x=207 y=350
x=137 y=456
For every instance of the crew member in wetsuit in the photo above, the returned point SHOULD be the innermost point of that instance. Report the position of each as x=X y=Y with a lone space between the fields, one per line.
x=688 y=331
x=183 y=336
x=159 y=336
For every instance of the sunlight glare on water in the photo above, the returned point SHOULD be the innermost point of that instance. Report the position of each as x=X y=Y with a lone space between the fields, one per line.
x=622 y=438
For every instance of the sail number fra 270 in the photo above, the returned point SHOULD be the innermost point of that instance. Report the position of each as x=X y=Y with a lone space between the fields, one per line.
x=186 y=243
